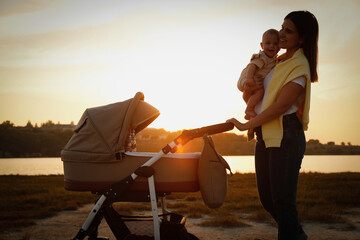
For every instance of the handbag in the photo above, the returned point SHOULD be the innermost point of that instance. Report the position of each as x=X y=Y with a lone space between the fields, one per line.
x=212 y=175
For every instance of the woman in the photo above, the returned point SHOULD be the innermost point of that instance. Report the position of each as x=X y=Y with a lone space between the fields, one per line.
x=281 y=121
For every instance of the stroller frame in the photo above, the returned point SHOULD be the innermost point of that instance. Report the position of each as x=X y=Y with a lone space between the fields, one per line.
x=103 y=209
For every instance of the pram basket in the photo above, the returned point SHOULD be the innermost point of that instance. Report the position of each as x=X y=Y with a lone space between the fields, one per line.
x=95 y=160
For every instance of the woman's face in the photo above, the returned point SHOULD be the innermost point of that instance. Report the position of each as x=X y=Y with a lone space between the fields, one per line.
x=289 y=36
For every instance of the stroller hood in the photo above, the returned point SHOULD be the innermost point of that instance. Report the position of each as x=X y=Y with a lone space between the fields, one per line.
x=101 y=132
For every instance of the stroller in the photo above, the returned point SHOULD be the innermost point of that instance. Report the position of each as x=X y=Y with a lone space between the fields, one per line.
x=95 y=159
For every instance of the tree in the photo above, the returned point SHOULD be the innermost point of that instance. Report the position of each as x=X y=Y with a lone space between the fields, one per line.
x=29 y=125
x=48 y=123
x=313 y=141
x=7 y=124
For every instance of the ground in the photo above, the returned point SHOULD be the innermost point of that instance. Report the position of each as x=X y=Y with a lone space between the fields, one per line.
x=66 y=224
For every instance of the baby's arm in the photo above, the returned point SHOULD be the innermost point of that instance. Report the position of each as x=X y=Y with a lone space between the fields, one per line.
x=249 y=79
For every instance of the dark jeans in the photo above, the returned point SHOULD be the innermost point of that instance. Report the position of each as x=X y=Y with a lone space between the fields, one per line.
x=277 y=172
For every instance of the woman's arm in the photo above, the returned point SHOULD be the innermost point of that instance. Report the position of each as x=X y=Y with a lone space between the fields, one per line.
x=287 y=96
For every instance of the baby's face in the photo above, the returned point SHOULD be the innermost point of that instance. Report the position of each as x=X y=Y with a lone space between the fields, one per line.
x=270 y=45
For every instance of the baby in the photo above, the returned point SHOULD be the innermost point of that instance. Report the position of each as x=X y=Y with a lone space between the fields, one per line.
x=259 y=66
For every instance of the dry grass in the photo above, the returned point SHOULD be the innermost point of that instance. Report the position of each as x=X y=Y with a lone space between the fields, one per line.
x=25 y=198
x=129 y=208
x=224 y=221
x=321 y=197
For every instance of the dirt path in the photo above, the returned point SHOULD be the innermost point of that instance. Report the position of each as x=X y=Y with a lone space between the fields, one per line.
x=66 y=224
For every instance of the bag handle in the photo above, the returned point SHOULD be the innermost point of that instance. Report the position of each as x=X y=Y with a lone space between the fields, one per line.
x=208 y=139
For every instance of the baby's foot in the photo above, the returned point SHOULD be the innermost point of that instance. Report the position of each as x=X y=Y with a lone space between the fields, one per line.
x=247 y=117
x=250 y=114
x=250 y=134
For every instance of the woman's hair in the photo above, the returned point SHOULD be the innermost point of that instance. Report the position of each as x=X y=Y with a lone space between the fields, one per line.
x=308 y=28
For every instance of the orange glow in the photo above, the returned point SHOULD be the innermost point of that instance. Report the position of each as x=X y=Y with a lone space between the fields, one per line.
x=179 y=149
x=107 y=56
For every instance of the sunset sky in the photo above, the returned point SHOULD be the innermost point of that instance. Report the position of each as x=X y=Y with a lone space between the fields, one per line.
x=59 y=57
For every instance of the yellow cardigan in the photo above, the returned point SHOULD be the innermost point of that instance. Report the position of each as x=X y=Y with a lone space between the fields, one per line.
x=284 y=72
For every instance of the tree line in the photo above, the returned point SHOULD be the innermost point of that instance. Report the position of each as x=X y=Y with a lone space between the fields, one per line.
x=49 y=139
x=30 y=141
x=151 y=139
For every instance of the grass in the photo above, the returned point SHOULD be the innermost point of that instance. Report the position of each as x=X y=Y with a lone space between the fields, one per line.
x=224 y=221
x=25 y=198
x=324 y=197
x=321 y=197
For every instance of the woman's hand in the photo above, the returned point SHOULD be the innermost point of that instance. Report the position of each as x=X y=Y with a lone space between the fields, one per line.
x=237 y=124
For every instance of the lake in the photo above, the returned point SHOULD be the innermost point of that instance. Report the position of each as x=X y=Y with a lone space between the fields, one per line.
x=242 y=164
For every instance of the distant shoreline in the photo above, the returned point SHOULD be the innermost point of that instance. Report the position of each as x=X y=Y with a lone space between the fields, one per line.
x=241 y=164
x=49 y=140
x=230 y=155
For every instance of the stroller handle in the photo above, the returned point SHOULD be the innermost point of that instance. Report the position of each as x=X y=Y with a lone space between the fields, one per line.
x=188 y=135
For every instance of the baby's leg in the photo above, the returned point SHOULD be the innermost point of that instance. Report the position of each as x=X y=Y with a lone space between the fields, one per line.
x=247 y=95
x=253 y=101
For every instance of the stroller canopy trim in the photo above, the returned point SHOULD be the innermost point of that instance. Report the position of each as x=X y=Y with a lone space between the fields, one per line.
x=102 y=131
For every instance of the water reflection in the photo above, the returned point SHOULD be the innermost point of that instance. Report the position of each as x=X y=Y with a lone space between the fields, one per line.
x=242 y=164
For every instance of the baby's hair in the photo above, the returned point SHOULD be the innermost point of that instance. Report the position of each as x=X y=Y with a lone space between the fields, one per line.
x=271 y=32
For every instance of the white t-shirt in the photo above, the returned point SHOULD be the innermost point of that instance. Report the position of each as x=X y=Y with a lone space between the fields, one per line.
x=295 y=107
